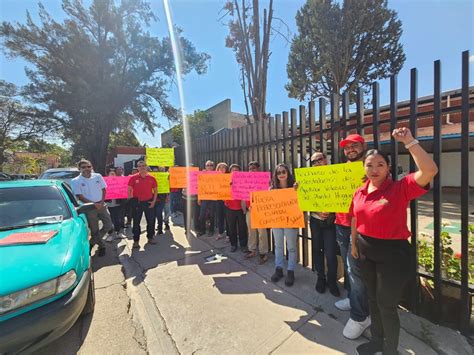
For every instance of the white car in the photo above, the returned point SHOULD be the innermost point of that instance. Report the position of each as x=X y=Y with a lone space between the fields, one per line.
x=66 y=174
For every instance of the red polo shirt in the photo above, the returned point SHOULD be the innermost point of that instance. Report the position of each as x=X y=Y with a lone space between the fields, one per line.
x=382 y=213
x=343 y=219
x=142 y=186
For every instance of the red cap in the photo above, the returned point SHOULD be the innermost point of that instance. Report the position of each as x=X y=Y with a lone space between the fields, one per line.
x=352 y=138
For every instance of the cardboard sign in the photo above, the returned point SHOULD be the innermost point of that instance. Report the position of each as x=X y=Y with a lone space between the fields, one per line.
x=328 y=188
x=214 y=186
x=193 y=180
x=162 y=181
x=117 y=187
x=178 y=176
x=275 y=209
x=243 y=183
x=160 y=156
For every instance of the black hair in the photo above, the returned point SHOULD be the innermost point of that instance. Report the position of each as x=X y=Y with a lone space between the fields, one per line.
x=372 y=152
x=254 y=163
x=290 y=179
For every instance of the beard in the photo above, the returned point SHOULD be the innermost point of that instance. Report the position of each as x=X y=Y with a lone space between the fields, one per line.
x=356 y=158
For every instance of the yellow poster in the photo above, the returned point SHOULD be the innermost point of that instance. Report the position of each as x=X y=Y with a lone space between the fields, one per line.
x=275 y=209
x=160 y=156
x=328 y=188
x=163 y=182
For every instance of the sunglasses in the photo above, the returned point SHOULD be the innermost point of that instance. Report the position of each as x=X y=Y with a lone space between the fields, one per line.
x=86 y=167
x=351 y=146
x=317 y=161
x=281 y=172
x=209 y=164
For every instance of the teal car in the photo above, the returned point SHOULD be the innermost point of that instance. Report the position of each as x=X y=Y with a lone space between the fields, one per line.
x=46 y=279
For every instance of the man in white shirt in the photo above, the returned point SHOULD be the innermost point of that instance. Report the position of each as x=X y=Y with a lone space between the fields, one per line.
x=90 y=187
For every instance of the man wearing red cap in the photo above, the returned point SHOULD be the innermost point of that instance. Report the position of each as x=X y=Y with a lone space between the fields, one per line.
x=357 y=302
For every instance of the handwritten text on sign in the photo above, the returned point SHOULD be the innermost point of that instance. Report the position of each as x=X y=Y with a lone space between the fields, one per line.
x=178 y=176
x=193 y=180
x=243 y=183
x=117 y=187
x=328 y=188
x=160 y=156
x=275 y=209
x=214 y=187
x=162 y=180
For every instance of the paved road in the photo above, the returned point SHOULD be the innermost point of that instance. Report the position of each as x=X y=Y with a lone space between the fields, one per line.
x=111 y=328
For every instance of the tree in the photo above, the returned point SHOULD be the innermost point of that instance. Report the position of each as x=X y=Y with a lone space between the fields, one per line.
x=251 y=52
x=18 y=121
x=123 y=138
x=199 y=126
x=99 y=70
x=342 y=46
x=41 y=146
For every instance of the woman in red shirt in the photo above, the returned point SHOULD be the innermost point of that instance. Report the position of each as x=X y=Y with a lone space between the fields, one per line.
x=236 y=223
x=380 y=237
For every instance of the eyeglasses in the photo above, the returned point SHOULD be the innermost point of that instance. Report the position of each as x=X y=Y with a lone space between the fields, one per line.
x=317 y=161
x=209 y=164
x=86 y=167
x=281 y=172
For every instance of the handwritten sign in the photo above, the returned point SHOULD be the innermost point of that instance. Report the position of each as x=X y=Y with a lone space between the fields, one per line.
x=328 y=188
x=178 y=176
x=275 y=209
x=117 y=187
x=160 y=156
x=163 y=182
x=243 y=183
x=193 y=180
x=214 y=186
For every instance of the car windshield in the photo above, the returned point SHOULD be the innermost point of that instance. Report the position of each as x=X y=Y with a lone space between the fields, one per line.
x=59 y=175
x=25 y=206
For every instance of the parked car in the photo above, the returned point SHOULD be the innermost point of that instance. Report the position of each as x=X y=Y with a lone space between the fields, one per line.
x=46 y=278
x=5 y=177
x=66 y=174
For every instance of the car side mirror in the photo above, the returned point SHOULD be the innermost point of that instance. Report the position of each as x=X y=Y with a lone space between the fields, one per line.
x=85 y=207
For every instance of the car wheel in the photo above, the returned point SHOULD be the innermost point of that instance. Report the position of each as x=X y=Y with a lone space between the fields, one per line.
x=90 y=303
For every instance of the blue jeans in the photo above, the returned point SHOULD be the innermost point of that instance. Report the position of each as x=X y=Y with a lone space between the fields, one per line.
x=324 y=245
x=220 y=216
x=175 y=201
x=291 y=241
x=352 y=267
x=206 y=206
x=159 y=207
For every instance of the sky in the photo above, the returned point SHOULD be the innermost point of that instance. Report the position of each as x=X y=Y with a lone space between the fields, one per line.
x=432 y=29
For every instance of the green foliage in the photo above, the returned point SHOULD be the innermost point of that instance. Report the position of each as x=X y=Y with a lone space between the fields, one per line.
x=199 y=126
x=99 y=70
x=19 y=122
x=123 y=138
x=41 y=146
x=450 y=261
x=343 y=45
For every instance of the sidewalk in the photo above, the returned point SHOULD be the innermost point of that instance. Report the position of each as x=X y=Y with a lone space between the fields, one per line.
x=191 y=301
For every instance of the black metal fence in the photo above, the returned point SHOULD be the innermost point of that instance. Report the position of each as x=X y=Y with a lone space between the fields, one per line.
x=292 y=137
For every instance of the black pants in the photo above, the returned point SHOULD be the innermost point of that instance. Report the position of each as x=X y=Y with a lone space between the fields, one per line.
x=140 y=207
x=324 y=244
x=236 y=224
x=116 y=214
x=385 y=270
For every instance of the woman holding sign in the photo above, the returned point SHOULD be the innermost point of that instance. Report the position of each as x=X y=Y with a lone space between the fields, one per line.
x=282 y=179
x=380 y=237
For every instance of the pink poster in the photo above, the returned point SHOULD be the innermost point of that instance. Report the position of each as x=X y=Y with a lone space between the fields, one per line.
x=117 y=187
x=243 y=183
x=193 y=180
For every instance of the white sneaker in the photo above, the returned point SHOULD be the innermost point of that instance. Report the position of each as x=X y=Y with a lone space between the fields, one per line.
x=110 y=237
x=354 y=329
x=343 y=305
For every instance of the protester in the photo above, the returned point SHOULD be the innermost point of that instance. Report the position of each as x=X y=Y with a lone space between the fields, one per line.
x=91 y=187
x=220 y=207
x=207 y=209
x=323 y=235
x=236 y=221
x=282 y=178
x=129 y=207
x=356 y=302
x=143 y=189
x=380 y=237
x=175 y=202
x=115 y=210
x=162 y=206
x=257 y=237
x=123 y=202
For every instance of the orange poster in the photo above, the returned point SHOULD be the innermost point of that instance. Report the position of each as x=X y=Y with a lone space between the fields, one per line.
x=214 y=187
x=178 y=176
x=275 y=209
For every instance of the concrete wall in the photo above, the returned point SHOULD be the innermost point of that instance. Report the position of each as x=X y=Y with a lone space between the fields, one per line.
x=450 y=168
x=220 y=115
